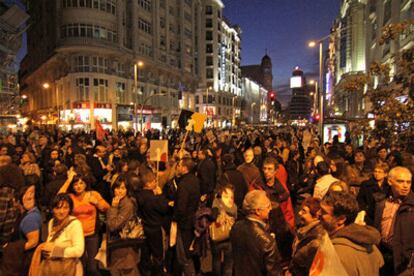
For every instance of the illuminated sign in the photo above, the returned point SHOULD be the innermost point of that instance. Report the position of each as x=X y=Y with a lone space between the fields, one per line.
x=330 y=130
x=296 y=82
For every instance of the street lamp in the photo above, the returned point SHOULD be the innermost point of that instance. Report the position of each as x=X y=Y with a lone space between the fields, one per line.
x=251 y=110
x=320 y=93
x=46 y=85
x=137 y=65
x=24 y=96
x=314 y=94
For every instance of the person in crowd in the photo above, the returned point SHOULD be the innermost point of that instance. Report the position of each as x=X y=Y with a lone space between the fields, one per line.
x=28 y=164
x=373 y=190
x=355 y=244
x=249 y=170
x=349 y=154
x=123 y=260
x=99 y=167
x=185 y=206
x=254 y=249
x=51 y=188
x=43 y=151
x=338 y=186
x=381 y=158
x=206 y=173
x=18 y=252
x=294 y=168
x=324 y=181
x=308 y=237
x=395 y=220
x=358 y=172
x=64 y=245
x=153 y=207
x=86 y=204
x=235 y=177
x=226 y=210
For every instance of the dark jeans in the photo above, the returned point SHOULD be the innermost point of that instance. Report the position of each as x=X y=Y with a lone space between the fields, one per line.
x=153 y=251
x=90 y=265
x=183 y=257
x=222 y=258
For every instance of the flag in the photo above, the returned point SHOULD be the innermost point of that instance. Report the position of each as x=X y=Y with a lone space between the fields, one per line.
x=326 y=261
x=158 y=150
x=198 y=120
x=100 y=132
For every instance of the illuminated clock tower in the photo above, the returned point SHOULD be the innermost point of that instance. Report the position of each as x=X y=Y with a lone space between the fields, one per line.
x=266 y=68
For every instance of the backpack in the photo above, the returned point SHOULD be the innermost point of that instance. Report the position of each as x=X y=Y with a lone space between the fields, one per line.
x=220 y=229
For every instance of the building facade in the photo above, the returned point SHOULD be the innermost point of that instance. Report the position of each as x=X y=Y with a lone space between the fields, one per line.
x=219 y=90
x=117 y=61
x=354 y=46
x=254 y=102
x=300 y=105
x=12 y=27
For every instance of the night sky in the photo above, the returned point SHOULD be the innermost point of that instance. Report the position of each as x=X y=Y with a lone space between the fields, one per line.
x=283 y=27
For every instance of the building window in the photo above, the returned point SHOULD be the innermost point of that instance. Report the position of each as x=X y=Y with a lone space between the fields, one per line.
x=100 y=90
x=209 y=10
x=162 y=41
x=209 y=35
x=209 y=48
x=209 y=23
x=145 y=49
x=88 y=30
x=108 y=6
x=188 y=2
x=187 y=16
x=209 y=61
x=145 y=4
x=162 y=22
x=197 y=99
x=144 y=26
x=187 y=33
x=209 y=73
x=120 y=92
x=162 y=3
x=387 y=11
x=82 y=85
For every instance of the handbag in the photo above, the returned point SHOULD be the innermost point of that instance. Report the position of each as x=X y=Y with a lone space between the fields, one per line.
x=131 y=233
x=60 y=266
x=220 y=229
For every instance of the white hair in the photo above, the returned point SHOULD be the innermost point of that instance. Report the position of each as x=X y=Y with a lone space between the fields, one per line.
x=254 y=200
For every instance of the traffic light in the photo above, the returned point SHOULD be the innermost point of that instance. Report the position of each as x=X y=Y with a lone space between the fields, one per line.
x=316 y=118
x=272 y=96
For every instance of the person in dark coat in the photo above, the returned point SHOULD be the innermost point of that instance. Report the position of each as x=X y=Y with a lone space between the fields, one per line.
x=99 y=167
x=394 y=218
x=185 y=207
x=235 y=177
x=51 y=188
x=308 y=237
x=372 y=190
x=254 y=249
x=250 y=172
x=153 y=207
x=206 y=173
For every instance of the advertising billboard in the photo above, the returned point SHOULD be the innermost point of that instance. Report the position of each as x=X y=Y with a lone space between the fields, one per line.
x=330 y=130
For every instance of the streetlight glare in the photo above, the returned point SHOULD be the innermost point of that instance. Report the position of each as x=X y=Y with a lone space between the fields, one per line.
x=46 y=85
x=312 y=44
x=24 y=97
x=140 y=64
x=312 y=82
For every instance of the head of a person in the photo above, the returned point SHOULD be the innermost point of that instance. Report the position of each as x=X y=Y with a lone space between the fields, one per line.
x=359 y=156
x=143 y=147
x=338 y=209
x=27 y=197
x=28 y=157
x=3 y=151
x=149 y=180
x=185 y=166
x=270 y=165
x=399 y=178
x=5 y=160
x=202 y=154
x=339 y=186
x=317 y=159
x=257 y=150
x=227 y=160
x=122 y=166
x=382 y=153
x=62 y=207
x=133 y=166
x=225 y=191
x=43 y=140
x=54 y=154
x=322 y=168
x=380 y=171
x=349 y=149
x=11 y=176
x=256 y=204
x=248 y=155
x=309 y=211
x=60 y=170
x=80 y=184
x=121 y=188
x=100 y=151
x=11 y=139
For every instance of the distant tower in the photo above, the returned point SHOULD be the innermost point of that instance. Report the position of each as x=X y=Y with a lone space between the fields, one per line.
x=266 y=68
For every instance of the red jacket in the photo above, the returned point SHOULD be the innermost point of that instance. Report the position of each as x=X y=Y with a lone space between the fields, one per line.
x=287 y=208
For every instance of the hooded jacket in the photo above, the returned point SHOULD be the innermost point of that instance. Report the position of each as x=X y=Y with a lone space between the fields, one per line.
x=357 y=250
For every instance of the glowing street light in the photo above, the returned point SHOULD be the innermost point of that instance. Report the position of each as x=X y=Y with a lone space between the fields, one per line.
x=24 y=97
x=46 y=85
x=312 y=44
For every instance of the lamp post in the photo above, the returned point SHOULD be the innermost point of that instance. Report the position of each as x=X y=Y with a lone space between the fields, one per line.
x=137 y=65
x=314 y=94
x=251 y=110
x=233 y=123
x=46 y=86
x=319 y=92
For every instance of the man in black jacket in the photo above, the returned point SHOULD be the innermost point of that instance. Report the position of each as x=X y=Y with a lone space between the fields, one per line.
x=254 y=249
x=185 y=207
x=206 y=173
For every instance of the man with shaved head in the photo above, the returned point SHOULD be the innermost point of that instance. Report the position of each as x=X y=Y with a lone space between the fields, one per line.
x=394 y=218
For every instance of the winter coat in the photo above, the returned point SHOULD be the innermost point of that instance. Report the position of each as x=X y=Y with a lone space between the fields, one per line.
x=236 y=178
x=251 y=174
x=206 y=172
x=254 y=250
x=356 y=248
x=403 y=240
x=368 y=194
x=305 y=247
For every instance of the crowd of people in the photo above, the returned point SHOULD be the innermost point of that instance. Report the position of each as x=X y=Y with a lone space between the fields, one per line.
x=248 y=201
